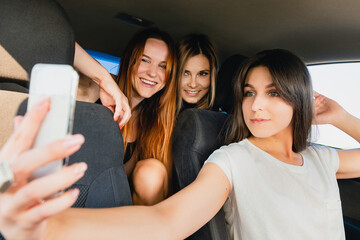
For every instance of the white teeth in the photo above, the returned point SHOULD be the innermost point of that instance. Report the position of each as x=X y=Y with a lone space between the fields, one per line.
x=148 y=82
x=193 y=92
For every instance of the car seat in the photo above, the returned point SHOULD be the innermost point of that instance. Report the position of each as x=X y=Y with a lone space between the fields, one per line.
x=197 y=134
x=224 y=97
x=350 y=199
x=105 y=182
x=33 y=31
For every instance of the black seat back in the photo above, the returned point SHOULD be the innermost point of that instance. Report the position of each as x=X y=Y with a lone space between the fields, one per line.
x=197 y=134
x=224 y=97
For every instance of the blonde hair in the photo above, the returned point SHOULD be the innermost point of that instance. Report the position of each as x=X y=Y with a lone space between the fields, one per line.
x=189 y=46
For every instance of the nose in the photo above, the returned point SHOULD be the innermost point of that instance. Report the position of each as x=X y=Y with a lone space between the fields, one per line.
x=192 y=82
x=152 y=70
x=258 y=103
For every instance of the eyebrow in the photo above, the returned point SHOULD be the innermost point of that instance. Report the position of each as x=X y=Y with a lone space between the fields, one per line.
x=204 y=70
x=144 y=55
x=267 y=86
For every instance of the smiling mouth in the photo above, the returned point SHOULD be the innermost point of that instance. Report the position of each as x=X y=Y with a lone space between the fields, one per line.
x=147 y=82
x=193 y=93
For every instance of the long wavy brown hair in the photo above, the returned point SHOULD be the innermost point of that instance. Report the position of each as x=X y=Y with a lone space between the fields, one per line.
x=155 y=115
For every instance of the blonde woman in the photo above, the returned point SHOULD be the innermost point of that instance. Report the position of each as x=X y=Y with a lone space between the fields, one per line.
x=197 y=71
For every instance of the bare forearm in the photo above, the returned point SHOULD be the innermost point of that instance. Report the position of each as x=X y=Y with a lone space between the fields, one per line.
x=89 y=66
x=350 y=159
x=349 y=124
x=136 y=222
x=174 y=218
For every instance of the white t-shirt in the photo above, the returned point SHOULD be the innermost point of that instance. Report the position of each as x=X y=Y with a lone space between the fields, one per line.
x=270 y=199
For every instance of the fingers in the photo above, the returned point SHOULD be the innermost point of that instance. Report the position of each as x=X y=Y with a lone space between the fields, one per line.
x=114 y=99
x=17 y=122
x=51 y=207
x=111 y=108
x=122 y=112
x=43 y=155
x=25 y=134
x=125 y=117
x=42 y=188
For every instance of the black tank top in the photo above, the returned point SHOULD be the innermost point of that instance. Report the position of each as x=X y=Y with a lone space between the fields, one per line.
x=130 y=148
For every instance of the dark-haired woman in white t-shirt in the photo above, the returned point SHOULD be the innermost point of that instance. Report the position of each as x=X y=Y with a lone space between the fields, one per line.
x=273 y=182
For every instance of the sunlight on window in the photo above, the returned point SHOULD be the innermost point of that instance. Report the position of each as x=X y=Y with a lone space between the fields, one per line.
x=340 y=82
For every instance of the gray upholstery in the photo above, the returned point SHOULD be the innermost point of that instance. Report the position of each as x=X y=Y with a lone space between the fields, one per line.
x=36 y=31
x=105 y=182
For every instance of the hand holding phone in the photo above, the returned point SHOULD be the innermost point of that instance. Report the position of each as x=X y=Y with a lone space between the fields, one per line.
x=59 y=83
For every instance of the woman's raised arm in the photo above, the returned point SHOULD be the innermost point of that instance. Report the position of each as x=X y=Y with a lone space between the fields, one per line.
x=110 y=94
x=330 y=112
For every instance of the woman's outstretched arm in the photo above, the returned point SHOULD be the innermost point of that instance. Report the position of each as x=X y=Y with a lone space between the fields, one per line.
x=330 y=112
x=24 y=214
x=175 y=218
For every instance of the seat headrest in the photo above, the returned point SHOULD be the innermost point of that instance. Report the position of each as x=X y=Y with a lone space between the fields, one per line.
x=34 y=31
x=224 y=97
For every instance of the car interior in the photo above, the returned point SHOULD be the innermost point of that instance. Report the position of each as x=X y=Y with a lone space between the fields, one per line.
x=33 y=31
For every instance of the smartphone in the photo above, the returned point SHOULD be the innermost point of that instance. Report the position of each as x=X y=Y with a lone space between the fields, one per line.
x=58 y=82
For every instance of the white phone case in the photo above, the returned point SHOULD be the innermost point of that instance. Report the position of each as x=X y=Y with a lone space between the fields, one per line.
x=58 y=82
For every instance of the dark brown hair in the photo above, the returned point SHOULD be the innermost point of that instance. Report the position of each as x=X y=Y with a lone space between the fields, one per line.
x=293 y=82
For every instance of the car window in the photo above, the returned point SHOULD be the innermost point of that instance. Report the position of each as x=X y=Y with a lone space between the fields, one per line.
x=341 y=82
x=108 y=61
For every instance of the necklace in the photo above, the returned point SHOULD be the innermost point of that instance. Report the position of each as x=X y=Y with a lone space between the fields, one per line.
x=301 y=160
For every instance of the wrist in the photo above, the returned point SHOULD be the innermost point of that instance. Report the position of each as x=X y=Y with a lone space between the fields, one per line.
x=341 y=119
x=104 y=78
x=53 y=229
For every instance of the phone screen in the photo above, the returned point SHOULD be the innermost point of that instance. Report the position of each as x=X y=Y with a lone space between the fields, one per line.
x=59 y=83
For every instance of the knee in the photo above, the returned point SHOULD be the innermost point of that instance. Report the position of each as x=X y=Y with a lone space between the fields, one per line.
x=149 y=172
x=150 y=181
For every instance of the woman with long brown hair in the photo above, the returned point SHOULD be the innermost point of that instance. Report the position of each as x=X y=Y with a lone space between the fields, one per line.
x=146 y=78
